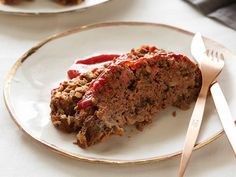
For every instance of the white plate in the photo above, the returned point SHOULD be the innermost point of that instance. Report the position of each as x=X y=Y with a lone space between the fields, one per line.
x=43 y=7
x=28 y=86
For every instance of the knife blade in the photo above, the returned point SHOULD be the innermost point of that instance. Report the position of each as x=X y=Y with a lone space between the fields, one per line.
x=198 y=51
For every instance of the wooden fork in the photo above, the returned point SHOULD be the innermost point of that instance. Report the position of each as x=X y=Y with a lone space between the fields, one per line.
x=210 y=68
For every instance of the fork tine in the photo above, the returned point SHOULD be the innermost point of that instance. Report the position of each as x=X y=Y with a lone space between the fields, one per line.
x=212 y=55
x=217 y=56
x=222 y=56
x=207 y=52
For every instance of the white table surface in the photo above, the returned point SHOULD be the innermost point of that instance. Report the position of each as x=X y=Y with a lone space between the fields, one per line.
x=20 y=156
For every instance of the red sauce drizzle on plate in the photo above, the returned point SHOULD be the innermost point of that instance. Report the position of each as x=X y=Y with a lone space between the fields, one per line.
x=97 y=59
x=89 y=64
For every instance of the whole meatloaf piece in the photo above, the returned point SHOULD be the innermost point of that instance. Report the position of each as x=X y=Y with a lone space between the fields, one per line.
x=127 y=92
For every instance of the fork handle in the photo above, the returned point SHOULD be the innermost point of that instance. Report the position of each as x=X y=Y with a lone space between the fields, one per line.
x=193 y=129
x=224 y=114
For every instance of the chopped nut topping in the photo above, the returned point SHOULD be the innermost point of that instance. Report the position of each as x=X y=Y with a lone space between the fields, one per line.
x=63 y=116
x=69 y=120
x=57 y=123
x=58 y=94
x=148 y=69
x=78 y=95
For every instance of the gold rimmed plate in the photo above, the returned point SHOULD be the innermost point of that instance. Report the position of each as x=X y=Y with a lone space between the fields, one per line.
x=42 y=68
x=47 y=7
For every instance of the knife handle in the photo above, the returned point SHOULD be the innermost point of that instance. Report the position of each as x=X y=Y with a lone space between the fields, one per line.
x=224 y=114
x=193 y=130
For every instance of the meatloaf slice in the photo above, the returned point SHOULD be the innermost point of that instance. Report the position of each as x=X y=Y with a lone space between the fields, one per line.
x=131 y=89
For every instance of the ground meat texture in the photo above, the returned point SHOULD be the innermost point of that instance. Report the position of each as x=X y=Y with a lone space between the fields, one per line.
x=137 y=85
x=94 y=131
x=65 y=98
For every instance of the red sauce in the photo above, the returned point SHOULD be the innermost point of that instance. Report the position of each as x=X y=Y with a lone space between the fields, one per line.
x=97 y=59
x=72 y=73
x=89 y=64
x=87 y=101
